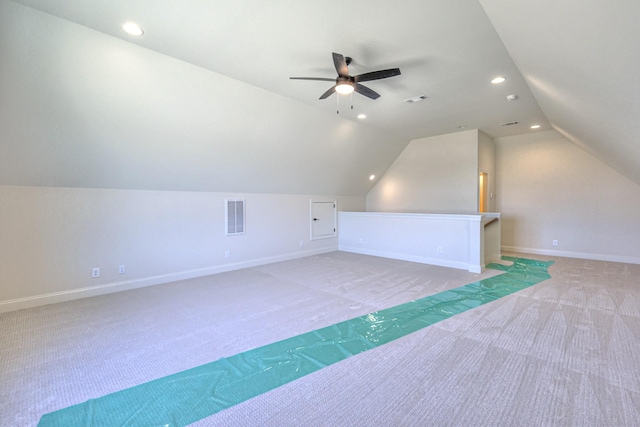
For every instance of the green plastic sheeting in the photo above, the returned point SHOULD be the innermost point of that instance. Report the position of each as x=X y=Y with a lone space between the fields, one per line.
x=188 y=396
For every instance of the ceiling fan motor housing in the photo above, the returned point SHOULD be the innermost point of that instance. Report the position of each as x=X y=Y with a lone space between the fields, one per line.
x=345 y=83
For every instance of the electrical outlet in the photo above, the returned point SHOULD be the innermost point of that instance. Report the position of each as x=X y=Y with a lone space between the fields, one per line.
x=121 y=269
x=555 y=243
x=95 y=272
x=360 y=241
x=301 y=243
x=439 y=249
x=227 y=254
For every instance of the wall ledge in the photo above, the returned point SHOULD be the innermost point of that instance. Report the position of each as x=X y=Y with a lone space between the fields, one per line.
x=459 y=217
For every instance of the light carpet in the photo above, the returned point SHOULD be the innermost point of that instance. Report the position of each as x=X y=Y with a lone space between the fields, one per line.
x=563 y=352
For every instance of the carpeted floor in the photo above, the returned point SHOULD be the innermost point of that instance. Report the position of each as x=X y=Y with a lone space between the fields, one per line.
x=563 y=352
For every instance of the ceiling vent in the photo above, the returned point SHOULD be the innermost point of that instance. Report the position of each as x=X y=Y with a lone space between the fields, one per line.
x=416 y=99
x=509 y=123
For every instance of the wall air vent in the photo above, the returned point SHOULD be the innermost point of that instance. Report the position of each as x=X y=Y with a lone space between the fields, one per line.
x=416 y=99
x=509 y=123
x=234 y=216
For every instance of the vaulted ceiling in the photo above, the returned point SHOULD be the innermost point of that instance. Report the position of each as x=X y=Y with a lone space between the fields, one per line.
x=580 y=59
x=203 y=100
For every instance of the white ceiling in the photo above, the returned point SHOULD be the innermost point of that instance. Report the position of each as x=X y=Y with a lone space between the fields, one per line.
x=572 y=64
x=446 y=49
x=581 y=60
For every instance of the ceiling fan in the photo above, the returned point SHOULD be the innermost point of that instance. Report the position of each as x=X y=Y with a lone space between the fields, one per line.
x=346 y=84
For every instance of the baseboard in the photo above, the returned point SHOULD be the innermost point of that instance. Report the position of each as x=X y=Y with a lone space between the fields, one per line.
x=493 y=258
x=414 y=258
x=107 y=288
x=569 y=254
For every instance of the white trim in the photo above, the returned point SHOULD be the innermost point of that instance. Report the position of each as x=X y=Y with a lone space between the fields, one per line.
x=455 y=217
x=569 y=254
x=108 y=288
x=414 y=258
x=476 y=268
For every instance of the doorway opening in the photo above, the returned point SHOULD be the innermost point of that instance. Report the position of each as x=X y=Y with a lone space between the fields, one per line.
x=483 y=181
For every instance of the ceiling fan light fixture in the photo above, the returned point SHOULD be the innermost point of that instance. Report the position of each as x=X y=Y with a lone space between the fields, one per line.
x=347 y=84
x=344 y=88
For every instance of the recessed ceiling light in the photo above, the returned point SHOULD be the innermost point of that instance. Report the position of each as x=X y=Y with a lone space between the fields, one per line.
x=512 y=97
x=132 y=28
x=372 y=177
x=462 y=127
x=535 y=127
x=498 y=79
x=362 y=116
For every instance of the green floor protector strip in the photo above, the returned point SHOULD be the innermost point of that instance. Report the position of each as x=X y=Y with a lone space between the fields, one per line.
x=188 y=396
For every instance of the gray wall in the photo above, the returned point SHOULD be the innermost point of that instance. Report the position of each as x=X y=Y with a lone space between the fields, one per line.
x=435 y=174
x=546 y=188
x=113 y=154
x=550 y=189
x=52 y=238
x=79 y=108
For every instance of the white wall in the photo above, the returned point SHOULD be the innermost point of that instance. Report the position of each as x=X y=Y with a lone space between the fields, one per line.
x=80 y=108
x=550 y=189
x=53 y=237
x=435 y=174
x=114 y=154
x=455 y=241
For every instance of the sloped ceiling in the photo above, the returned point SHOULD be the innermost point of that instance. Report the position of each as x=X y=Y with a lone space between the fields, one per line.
x=203 y=101
x=80 y=108
x=581 y=60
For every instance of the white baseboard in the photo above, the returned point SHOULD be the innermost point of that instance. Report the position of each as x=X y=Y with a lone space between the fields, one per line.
x=413 y=258
x=569 y=254
x=107 y=288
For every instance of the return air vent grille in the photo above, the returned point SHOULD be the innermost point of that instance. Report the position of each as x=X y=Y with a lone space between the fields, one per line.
x=235 y=215
x=509 y=123
x=416 y=99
